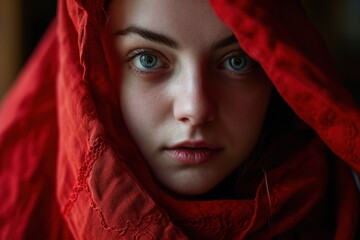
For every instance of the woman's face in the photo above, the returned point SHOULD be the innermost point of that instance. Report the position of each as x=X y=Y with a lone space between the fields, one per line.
x=193 y=101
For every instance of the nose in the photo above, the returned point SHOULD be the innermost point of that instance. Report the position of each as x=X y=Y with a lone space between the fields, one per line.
x=193 y=99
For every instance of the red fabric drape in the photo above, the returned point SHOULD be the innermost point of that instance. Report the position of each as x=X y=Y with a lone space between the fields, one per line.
x=69 y=170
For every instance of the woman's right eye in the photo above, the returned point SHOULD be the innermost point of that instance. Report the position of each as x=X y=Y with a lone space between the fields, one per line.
x=145 y=61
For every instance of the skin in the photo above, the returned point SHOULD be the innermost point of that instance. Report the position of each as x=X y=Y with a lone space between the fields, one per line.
x=201 y=88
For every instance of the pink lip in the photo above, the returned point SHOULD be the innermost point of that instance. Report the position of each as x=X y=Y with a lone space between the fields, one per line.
x=193 y=152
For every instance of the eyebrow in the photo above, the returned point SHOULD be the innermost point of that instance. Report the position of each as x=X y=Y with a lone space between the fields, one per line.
x=224 y=43
x=165 y=40
x=148 y=35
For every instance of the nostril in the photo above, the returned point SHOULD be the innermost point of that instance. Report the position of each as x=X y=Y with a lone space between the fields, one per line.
x=195 y=113
x=196 y=103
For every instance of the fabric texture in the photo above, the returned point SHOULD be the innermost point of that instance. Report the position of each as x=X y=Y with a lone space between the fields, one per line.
x=69 y=170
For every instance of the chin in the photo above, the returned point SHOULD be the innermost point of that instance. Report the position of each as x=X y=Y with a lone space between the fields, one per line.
x=191 y=181
x=190 y=188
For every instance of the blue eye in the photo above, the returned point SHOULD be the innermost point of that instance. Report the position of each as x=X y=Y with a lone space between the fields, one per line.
x=238 y=63
x=148 y=61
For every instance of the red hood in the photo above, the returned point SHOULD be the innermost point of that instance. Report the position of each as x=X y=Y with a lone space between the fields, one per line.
x=66 y=156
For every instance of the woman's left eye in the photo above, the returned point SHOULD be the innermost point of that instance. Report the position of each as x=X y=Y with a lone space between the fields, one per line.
x=237 y=63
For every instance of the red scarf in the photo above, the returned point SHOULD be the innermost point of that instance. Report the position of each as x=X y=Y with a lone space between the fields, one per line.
x=69 y=171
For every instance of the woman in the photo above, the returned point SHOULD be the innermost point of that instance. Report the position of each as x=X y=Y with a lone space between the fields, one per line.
x=167 y=120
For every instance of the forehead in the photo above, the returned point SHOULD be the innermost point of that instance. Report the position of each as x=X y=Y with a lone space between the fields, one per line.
x=185 y=20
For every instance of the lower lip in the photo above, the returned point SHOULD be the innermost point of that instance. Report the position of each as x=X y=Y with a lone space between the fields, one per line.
x=192 y=156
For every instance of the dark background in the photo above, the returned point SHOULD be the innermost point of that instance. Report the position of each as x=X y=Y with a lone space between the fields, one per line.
x=22 y=23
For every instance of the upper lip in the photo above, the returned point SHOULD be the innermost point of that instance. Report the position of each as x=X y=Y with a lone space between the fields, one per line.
x=195 y=144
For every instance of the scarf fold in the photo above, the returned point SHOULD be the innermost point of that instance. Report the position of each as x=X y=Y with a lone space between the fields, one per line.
x=69 y=169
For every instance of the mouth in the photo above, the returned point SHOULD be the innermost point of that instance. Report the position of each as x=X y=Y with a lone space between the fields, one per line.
x=193 y=153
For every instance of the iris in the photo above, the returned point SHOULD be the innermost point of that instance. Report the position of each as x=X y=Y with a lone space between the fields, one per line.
x=148 y=60
x=238 y=63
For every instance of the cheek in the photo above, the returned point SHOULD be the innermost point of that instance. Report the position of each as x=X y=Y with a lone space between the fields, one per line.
x=142 y=108
x=246 y=111
x=256 y=103
x=251 y=101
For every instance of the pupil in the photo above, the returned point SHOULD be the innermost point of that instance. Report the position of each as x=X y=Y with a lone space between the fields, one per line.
x=237 y=63
x=148 y=61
